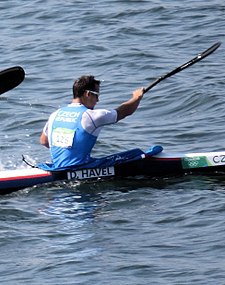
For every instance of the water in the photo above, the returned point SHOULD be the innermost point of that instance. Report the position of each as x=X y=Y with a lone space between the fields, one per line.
x=167 y=231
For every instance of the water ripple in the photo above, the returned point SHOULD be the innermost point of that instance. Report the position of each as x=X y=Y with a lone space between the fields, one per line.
x=135 y=231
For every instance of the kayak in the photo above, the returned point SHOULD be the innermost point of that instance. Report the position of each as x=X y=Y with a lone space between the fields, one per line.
x=146 y=167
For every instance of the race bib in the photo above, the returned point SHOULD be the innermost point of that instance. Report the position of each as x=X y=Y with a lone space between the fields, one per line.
x=63 y=137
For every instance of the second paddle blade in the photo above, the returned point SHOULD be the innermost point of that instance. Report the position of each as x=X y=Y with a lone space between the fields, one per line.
x=10 y=78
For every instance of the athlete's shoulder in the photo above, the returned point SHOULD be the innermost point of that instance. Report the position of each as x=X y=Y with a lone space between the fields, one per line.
x=101 y=112
x=101 y=116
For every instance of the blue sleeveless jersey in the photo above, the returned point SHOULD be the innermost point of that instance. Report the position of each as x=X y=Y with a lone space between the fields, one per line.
x=70 y=144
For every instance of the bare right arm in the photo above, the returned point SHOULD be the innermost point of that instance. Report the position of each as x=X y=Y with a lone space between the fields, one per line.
x=130 y=106
x=44 y=140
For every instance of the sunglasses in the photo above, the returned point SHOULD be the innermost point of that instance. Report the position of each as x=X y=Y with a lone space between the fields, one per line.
x=94 y=93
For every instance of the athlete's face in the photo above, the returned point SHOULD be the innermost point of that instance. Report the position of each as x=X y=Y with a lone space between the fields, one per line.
x=92 y=97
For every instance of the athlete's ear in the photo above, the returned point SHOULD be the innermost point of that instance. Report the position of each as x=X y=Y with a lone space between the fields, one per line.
x=86 y=93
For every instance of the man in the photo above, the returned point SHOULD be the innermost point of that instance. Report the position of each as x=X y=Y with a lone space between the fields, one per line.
x=71 y=132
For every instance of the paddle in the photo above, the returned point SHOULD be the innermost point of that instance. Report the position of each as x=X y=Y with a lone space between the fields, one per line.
x=10 y=78
x=185 y=65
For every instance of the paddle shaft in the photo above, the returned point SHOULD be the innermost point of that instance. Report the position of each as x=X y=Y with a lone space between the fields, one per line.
x=185 y=65
x=10 y=78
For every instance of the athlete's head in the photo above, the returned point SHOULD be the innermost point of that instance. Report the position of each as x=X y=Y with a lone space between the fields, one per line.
x=84 y=84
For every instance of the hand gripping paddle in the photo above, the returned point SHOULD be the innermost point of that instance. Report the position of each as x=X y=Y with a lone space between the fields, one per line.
x=10 y=78
x=199 y=57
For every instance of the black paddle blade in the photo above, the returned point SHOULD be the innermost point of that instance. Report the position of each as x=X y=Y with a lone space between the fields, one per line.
x=199 y=57
x=10 y=78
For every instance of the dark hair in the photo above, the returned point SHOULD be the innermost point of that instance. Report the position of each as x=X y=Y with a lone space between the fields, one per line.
x=85 y=82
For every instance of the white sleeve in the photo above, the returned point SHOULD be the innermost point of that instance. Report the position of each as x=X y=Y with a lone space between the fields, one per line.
x=93 y=120
x=46 y=128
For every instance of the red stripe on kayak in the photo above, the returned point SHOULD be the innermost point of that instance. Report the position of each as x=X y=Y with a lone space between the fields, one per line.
x=149 y=157
x=25 y=177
